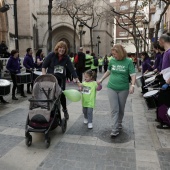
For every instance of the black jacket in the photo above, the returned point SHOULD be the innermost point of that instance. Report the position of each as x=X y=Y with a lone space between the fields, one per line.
x=54 y=66
x=80 y=66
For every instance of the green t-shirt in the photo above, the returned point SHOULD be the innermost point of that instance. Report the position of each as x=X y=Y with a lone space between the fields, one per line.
x=89 y=94
x=119 y=73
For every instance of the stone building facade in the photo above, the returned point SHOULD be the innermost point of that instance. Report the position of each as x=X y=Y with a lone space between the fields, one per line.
x=33 y=28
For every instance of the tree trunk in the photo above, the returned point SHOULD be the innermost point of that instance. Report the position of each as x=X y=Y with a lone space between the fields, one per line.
x=91 y=39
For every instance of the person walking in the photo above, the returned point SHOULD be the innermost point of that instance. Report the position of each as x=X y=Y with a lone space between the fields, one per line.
x=100 y=64
x=119 y=69
x=29 y=65
x=80 y=64
x=13 y=66
x=55 y=63
x=88 y=60
x=89 y=88
x=105 y=63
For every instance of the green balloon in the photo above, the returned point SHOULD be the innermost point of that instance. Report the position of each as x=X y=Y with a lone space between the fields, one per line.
x=72 y=95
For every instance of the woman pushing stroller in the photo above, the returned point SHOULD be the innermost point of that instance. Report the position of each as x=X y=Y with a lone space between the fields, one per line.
x=56 y=63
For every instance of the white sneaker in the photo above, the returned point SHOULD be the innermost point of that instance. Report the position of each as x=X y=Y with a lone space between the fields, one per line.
x=114 y=134
x=85 y=121
x=90 y=125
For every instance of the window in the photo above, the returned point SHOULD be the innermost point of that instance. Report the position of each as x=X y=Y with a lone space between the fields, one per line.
x=123 y=33
x=124 y=7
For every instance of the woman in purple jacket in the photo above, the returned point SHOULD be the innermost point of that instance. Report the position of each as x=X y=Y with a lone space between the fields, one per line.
x=146 y=67
x=13 y=66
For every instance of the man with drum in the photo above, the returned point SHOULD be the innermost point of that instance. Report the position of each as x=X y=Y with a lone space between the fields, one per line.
x=29 y=65
x=13 y=66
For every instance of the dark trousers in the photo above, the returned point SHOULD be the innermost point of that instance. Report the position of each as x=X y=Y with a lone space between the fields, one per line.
x=144 y=90
x=95 y=70
x=28 y=85
x=62 y=84
x=21 y=87
x=100 y=69
x=105 y=68
x=80 y=75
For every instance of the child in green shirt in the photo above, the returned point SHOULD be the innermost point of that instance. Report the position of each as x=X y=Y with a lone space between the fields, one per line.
x=89 y=88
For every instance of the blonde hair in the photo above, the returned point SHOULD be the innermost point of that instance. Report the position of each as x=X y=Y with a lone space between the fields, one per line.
x=120 y=50
x=59 y=45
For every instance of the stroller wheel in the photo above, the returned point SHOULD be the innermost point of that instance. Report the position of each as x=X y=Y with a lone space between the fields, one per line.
x=28 y=140
x=47 y=142
x=64 y=125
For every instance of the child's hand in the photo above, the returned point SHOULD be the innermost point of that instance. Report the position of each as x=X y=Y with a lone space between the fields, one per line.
x=99 y=82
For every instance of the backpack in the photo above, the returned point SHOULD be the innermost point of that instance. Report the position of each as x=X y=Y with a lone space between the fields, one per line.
x=95 y=62
x=76 y=59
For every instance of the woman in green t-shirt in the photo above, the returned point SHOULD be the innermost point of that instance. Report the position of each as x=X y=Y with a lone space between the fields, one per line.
x=119 y=69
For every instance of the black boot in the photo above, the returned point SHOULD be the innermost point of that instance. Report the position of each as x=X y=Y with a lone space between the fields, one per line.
x=14 y=98
x=23 y=95
x=66 y=115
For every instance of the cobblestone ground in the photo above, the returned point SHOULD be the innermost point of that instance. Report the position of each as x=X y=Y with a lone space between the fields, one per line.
x=140 y=145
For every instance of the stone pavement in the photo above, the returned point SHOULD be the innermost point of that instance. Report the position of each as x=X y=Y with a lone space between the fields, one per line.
x=140 y=146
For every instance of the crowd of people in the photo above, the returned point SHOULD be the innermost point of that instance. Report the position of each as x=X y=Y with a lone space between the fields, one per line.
x=83 y=67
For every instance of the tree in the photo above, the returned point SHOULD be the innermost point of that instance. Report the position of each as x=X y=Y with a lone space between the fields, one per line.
x=129 y=19
x=90 y=17
x=72 y=8
x=158 y=23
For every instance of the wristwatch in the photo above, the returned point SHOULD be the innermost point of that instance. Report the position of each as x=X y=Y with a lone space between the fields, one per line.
x=133 y=85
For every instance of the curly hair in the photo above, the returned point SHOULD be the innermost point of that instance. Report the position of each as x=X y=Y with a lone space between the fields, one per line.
x=59 y=45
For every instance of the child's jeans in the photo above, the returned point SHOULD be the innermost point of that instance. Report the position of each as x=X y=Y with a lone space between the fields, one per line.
x=88 y=114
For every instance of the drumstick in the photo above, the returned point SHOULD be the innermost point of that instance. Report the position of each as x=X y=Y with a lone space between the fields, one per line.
x=149 y=83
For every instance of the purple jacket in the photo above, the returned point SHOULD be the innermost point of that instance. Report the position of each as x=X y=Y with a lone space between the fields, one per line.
x=36 y=65
x=13 y=65
x=166 y=60
x=158 y=57
x=28 y=62
x=160 y=63
x=146 y=65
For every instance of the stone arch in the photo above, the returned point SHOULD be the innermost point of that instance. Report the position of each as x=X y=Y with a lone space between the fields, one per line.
x=61 y=30
x=3 y=25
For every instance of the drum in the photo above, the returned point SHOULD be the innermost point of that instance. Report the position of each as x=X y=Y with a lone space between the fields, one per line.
x=168 y=112
x=36 y=74
x=5 y=87
x=149 y=74
x=151 y=99
x=149 y=80
x=23 y=78
x=139 y=81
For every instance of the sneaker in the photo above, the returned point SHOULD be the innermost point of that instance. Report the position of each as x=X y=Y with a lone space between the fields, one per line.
x=14 y=98
x=23 y=95
x=90 y=125
x=120 y=126
x=114 y=134
x=85 y=121
x=29 y=92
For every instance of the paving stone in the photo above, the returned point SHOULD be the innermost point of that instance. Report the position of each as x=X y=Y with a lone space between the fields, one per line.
x=164 y=158
x=15 y=119
x=8 y=142
x=102 y=129
x=85 y=159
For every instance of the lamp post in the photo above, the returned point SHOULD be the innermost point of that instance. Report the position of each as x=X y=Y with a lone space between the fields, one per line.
x=81 y=33
x=145 y=25
x=98 y=42
x=49 y=25
x=16 y=25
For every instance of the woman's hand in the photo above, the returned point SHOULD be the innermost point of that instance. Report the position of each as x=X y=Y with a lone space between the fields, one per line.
x=99 y=82
x=131 y=90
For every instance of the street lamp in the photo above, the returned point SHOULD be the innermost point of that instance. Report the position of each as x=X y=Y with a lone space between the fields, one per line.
x=98 y=42
x=145 y=25
x=80 y=32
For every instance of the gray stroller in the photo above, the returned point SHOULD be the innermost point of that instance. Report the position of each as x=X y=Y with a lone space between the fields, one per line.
x=44 y=110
